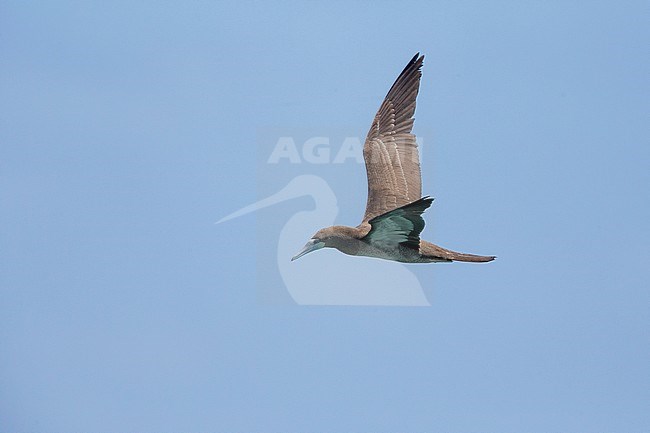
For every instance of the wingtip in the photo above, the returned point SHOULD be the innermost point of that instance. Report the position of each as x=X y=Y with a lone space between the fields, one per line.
x=416 y=59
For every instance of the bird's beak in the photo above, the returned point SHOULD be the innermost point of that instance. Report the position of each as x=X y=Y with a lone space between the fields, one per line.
x=310 y=246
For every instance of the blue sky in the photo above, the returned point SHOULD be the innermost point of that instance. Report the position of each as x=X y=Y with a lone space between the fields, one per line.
x=127 y=130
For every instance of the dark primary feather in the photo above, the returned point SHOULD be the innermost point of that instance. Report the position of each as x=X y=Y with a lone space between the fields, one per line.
x=390 y=151
x=399 y=226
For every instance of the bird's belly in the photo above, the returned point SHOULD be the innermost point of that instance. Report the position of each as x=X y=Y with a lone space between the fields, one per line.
x=398 y=253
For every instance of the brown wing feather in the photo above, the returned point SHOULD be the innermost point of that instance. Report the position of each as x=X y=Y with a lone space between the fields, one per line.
x=390 y=151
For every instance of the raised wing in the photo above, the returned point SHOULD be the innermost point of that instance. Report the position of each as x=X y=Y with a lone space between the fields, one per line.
x=399 y=226
x=390 y=151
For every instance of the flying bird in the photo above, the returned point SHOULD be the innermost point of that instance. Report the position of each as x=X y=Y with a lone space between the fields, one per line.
x=393 y=221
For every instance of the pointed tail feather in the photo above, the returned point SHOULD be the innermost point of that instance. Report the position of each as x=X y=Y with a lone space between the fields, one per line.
x=428 y=249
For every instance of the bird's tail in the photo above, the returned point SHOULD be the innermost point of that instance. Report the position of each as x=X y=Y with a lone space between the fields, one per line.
x=430 y=250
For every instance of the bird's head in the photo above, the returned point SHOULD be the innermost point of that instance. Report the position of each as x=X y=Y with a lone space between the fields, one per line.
x=331 y=237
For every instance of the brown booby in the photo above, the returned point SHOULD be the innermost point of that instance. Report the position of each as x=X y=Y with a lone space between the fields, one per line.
x=393 y=220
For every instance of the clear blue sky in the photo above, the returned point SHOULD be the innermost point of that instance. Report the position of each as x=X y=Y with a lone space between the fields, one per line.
x=127 y=129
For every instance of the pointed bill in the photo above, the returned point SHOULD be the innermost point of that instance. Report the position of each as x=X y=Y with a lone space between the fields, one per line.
x=312 y=245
